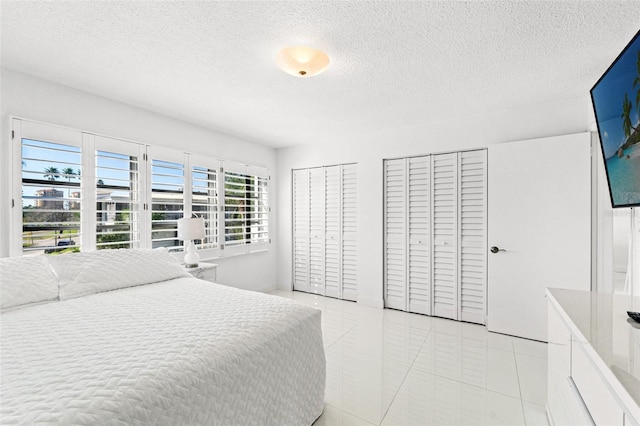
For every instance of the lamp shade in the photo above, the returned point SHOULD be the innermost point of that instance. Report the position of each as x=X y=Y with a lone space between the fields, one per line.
x=302 y=61
x=191 y=228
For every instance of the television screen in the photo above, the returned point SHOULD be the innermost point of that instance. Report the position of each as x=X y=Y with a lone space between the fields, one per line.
x=616 y=102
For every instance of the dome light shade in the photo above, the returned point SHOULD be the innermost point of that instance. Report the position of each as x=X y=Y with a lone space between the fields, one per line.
x=302 y=61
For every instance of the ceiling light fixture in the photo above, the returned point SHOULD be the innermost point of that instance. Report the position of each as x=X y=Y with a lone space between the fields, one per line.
x=302 y=61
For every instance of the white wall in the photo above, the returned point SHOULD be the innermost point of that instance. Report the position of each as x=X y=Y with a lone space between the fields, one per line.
x=369 y=150
x=634 y=259
x=31 y=98
x=36 y=99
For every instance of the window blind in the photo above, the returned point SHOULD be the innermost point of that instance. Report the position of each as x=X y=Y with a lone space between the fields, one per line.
x=246 y=208
x=51 y=196
x=204 y=202
x=167 y=202
x=117 y=200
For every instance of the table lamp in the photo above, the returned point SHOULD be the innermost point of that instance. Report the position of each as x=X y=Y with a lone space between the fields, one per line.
x=189 y=229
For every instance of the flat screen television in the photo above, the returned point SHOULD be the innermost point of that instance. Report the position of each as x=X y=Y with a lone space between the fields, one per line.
x=616 y=102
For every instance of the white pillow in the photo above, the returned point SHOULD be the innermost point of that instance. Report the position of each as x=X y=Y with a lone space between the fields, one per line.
x=25 y=281
x=93 y=272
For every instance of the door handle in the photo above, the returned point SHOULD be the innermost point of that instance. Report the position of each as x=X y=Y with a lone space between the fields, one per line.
x=495 y=249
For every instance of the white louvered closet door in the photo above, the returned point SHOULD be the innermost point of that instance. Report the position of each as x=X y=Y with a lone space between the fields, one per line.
x=395 y=233
x=473 y=233
x=444 y=175
x=419 y=241
x=349 y=231
x=325 y=226
x=301 y=230
x=332 y=248
x=316 y=230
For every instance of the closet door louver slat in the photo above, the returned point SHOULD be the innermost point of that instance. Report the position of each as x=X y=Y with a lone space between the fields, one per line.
x=473 y=232
x=444 y=230
x=301 y=230
x=349 y=231
x=419 y=241
x=395 y=231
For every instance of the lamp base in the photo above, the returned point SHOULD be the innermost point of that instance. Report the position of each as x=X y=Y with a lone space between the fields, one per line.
x=191 y=257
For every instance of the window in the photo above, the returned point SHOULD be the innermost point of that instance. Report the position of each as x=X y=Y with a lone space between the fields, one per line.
x=237 y=193
x=51 y=169
x=117 y=194
x=246 y=208
x=81 y=191
x=204 y=201
x=167 y=202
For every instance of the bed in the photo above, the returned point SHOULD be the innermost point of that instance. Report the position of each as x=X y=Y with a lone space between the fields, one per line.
x=173 y=351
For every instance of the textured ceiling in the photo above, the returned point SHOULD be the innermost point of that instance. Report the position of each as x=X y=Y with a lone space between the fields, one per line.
x=394 y=63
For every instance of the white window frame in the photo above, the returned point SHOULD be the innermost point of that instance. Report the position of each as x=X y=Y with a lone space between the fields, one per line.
x=22 y=129
x=172 y=156
x=211 y=164
x=248 y=170
x=89 y=143
x=133 y=149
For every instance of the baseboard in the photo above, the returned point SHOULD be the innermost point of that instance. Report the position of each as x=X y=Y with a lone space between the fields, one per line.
x=374 y=303
x=266 y=289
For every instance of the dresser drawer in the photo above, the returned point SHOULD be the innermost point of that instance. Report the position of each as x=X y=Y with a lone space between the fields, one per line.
x=596 y=394
x=565 y=404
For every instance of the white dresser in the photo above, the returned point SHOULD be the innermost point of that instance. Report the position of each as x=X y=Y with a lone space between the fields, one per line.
x=593 y=359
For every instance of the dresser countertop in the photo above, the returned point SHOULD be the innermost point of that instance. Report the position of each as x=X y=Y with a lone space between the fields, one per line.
x=609 y=337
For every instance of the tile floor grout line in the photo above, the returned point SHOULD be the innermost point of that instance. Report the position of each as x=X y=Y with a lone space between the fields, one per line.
x=515 y=360
x=366 y=314
x=351 y=414
x=381 y=359
x=405 y=377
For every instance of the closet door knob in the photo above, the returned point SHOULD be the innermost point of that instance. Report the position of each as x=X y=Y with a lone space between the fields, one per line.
x=495 y=249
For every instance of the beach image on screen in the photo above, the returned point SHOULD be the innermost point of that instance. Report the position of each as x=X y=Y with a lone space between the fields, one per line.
x=616 y=100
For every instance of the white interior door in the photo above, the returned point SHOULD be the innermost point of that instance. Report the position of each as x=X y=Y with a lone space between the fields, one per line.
x=540 y=215
x=301 y=230
x=472 y=231
x=444 y=169
x=332 y=247
x=419 y=242
x=349 y=230
x=316 y=230
x=395 y=231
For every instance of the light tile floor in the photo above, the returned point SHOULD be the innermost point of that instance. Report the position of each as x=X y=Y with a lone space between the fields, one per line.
x=387 y=367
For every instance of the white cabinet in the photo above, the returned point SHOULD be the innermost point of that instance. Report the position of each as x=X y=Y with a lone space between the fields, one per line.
x=600 y=402
x=592 y=377
x=435 y=235
x=563 y=402
x=325 y=231
x=204 y=271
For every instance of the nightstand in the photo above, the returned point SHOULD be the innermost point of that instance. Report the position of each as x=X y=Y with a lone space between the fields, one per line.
x=204 y=271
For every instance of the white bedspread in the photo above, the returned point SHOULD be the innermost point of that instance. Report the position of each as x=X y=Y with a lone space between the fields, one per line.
x=179 y=352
